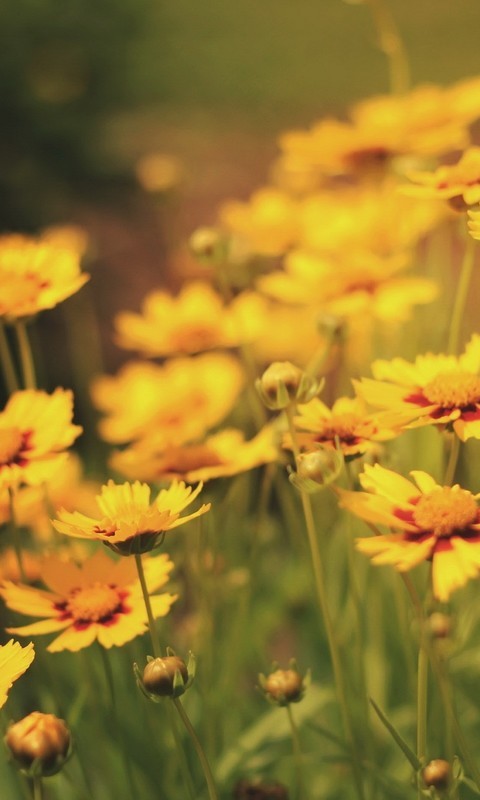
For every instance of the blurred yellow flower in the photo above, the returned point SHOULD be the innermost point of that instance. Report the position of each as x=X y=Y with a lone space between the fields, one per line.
x=267 y=222
x=36 y=274
x=9 y=566
x=346 y=427
x=35 y=429
x=222 y=455
x=176 y=402
x=14 y=661
x=99 y=600
x=433 y=390
x=291 y=334
x=459 y=183
x=130 y=523
x=194 y=321
x=474 y=224
x=436 y=523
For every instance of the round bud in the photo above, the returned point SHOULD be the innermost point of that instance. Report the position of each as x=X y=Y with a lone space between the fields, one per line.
x=437 y=773
x=39 y=742
x=322 y=466
x=283 y=383
x=284 y=686
x=439 y=625
x=247 y=789
x=159 y=675
x=208 y=245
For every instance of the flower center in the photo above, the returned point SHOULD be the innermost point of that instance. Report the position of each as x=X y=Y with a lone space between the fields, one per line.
x=94 y=602
x=445 y=510
x=10 y=444
x=453 y=389
x=345 y=426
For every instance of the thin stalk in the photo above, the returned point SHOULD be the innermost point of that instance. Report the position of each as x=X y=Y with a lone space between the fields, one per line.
x=212 y=791
x=391 y=44
x=17 y=545
x=37 y=789
x=9 y=371
x=107 y=667
x=297 y=755
x=452 y=461
x=325 y=611
x=461 y=296
x=157 y=652
x=184 y=767
x=422 y=694
x=26 y=356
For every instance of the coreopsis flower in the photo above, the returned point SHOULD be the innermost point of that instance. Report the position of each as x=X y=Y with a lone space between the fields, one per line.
x=36 y=274
x=267 y=222
x=14 y=661
x=222 y=455
x=99 y=600
x=459 y=183
x=35 y=431
x=130 y=523
x=194 y=321
x=440 y=524
x=433 y=390
x=346 y=427
x=176 y=402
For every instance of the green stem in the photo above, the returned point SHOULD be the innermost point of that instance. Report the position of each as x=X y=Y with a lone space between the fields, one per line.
x=325 y=611
x=107 y=667
x=212 y=791
x=157 y=652
x=422 y=693
x=26 y=356
x=297 y=755
x=461 y=296
x=37 y=789
x=452 y=461
x=391 y=44
x=11 y=379
x=184 y=768
x=17 y=545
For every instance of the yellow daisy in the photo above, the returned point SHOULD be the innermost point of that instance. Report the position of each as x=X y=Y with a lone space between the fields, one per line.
x=440 y=524
x=100 y=600
x=130 y=523
x=180 y=400
x=36 y=274
x=14 y=661
x=194 y=321
x=433 y=390
x=35 y=429
x=459 y=183
x=222 y=455
x=346 y=426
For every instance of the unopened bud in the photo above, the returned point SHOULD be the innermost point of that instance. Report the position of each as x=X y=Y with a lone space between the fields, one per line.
x=283 y=383
x=330 y=325
x=209 y=245
x=316 y=470
x=284 y=686
x=437 y=774
x=439 y=625
x=39 y=743
x=161 y=674
x=247 y=789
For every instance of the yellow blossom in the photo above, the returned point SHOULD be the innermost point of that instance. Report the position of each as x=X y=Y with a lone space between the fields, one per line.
x=14 y=661
x=267 y=222
x=459 y=183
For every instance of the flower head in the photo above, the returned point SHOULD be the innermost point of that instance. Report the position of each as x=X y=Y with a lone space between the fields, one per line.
x=437 y=523
x=35 y=429
x=39 y=743
x=433 y=390
x=459 y=183
x=14 y=661
x=36 y=274
x=99 y=600
x=130 y=523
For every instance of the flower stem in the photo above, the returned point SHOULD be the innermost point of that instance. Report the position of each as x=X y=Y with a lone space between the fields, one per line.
x=17 y=545
x=157 y=652
x=452 y=461
x=461 y=296
x=184 y=768
x=212 y=791
x=325 y=611
x=26 y=356
x=11 y=379
x=422 y=692
x=107 y=667
x=297 y=755
x=391 y=44
x=37 y=789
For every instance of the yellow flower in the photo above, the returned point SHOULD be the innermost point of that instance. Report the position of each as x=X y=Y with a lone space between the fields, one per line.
x=35 y=429
x=437 y=523
x=459 y=183
x=99 y=600
x=433 y=390
x=346 y=426
x=14 y=661
x=291 y=333
x=9 y=567
x=267 y=222
x=178 y=401
x=474 y=224
x=36 y=274
x=130 y=523
x=194 y=321
x=222 y=455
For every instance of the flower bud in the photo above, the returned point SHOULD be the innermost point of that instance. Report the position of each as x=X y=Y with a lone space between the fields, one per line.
x=284 y=686
x=437 y=774
x=316 y=470
x=161 y=675
x=39 y=743
x=439 y=625
x=208 y=245
x=247 y=789
x=283 y=383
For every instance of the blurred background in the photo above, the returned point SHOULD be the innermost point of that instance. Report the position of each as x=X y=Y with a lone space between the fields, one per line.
x=89 y=89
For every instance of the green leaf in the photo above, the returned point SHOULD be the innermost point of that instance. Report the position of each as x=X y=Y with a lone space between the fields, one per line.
x=406 y=750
